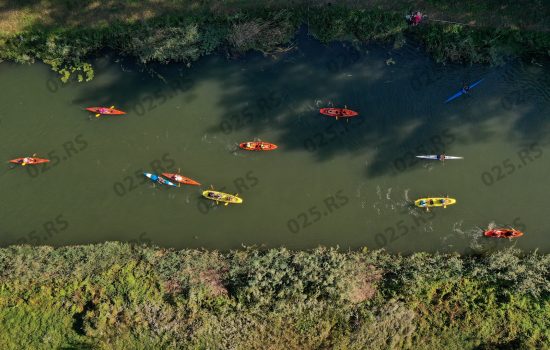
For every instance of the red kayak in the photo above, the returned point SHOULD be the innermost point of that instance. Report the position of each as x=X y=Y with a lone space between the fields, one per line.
x=181 y=179
x=105 y=110
x=503 y=233
x=258 y=146
x=338 y=112
x=29 y=161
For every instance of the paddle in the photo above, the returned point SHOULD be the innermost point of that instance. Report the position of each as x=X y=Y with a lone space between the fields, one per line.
x=347 y=119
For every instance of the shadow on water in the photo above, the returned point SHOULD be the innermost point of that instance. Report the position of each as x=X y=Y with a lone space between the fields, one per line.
x=399 y=93
x=139 y=89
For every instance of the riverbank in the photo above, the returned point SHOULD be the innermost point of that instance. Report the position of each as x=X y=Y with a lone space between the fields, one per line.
x=116 y=295
x=64 y=34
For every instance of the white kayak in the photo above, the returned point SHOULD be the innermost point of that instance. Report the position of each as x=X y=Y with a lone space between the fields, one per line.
x=436 y=157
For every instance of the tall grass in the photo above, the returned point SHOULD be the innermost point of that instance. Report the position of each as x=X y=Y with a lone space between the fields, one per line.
x=116 y=295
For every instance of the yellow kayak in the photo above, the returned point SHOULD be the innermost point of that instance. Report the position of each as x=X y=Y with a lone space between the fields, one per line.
x=431 y=202
x=222 y=197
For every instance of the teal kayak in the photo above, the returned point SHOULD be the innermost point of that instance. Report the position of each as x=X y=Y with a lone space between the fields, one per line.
x=462 y=92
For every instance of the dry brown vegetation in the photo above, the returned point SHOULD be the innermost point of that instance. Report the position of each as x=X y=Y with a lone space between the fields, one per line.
x=113 y=295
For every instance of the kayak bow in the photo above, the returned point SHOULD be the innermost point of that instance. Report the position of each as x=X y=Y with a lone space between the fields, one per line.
x=258 y=146
x=461 y=92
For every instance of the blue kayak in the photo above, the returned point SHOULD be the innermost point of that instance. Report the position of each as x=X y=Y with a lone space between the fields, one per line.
x=461 y=92
x=156 y=178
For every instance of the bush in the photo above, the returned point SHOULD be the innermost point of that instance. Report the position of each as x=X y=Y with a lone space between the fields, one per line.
x=122 y=296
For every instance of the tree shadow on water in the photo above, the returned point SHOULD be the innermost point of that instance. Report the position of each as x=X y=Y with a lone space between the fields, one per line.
x=400 y=116
x=140 y=89
x=399 y=94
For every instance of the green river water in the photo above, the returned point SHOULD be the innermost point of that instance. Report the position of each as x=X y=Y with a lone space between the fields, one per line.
x=330 y=182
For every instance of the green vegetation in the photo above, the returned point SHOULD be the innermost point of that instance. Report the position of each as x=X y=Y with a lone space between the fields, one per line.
x=116 y=295
x=168 y=31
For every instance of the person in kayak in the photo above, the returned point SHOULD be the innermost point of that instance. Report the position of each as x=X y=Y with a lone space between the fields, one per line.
x=431 y=202
x=442 y=200
x=465 y=88
x=214 y=195
x=27 y=160
x=103 y=110
x=441 y=157
x=422 y=203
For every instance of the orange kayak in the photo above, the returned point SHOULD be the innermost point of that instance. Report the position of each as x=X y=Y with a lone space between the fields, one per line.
x=29 y=160
x=258 y=146
x=181 y=179
x=105 y=110
x=503 y=233
x=338 y=112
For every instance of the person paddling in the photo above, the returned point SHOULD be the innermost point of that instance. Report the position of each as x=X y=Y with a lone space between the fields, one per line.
x=465 y=88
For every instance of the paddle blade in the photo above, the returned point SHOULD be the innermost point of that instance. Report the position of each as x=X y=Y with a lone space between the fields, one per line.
x=112 y=107
x=97 y=115
x=226 y=204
